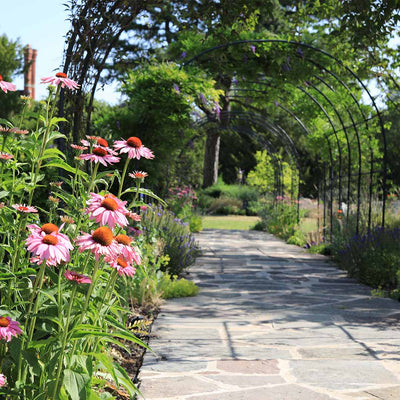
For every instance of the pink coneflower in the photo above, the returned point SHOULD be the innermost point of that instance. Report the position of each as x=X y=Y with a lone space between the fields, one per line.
x=6 y=156
x=78 y=278
x=9 y=328
x=100 y=242
x=129 y=252
x=60 y=79
x=25 y=209
x=51 y=247
x=7 y=86
x=49 y=228
x=143 y=208
x=134 y=217
x=134 y=147
x=78 y=147
x=122 y=266
x=102 y=155
x=2 y=380
x=107 y=210
x=138 y=174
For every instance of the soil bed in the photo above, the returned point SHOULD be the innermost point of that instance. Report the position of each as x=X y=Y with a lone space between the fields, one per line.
x=139 y=323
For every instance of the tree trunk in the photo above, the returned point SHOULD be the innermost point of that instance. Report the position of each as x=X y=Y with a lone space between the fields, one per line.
x=211 y=154
x=211 y=157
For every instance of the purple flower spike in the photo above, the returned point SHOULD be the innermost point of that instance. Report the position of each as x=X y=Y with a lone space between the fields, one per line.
x=253 y=49
x=203 y=98
x=300 y=53
x=183 y=54
x=176 y=88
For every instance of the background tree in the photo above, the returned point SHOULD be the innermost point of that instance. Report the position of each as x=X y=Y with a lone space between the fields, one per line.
x=10 y=66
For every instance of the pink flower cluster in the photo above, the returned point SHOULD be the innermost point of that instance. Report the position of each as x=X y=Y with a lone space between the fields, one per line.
x=49 y=245
x=100 y=152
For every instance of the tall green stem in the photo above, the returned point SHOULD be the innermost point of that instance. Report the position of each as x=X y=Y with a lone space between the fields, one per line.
x=121 y=185
x=96 y=167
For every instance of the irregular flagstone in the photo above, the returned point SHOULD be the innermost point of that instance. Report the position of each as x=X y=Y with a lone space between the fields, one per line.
x=284 y=392
x=272 y=322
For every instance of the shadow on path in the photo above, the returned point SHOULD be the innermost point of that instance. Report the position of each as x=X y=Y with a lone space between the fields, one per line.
x=272 y=322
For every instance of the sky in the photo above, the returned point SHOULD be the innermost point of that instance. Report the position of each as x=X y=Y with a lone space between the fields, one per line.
x=42 y=24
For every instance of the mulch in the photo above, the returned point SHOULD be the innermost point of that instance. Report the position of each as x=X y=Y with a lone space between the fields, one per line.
x=140 y=323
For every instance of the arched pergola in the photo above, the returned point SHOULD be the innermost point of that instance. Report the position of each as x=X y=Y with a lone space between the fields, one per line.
x=351 y=136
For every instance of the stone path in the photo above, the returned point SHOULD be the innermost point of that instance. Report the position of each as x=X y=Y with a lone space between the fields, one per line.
x=272 y=322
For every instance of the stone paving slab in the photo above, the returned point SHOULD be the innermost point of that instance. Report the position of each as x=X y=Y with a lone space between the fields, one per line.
x=272 y=322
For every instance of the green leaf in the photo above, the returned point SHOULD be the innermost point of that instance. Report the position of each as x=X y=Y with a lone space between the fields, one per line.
x=63 y=165
x=126 y=381
x=76 y=384
x=4 y=193
x=52 y=153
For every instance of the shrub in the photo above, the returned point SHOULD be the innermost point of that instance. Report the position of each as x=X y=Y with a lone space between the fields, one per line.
x=373 y=258
x=225 y=206
x=178 y=242
x=226 y=199
x=172 y=287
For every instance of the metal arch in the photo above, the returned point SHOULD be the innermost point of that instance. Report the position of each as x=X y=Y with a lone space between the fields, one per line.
x=340 y=156
x=331 y=159
x=365 y=121
x=253 y=118
x=340 y=63
x=272 y=127
x=330 y=175
x=347 y=142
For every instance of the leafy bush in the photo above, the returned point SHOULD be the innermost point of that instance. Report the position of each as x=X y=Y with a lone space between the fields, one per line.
x=195 y=223
x=181 y=201
x=172 y=287
x=281 y=219
x=226 y=206
x=178 y=242
x=373 y=258
x=226 y=199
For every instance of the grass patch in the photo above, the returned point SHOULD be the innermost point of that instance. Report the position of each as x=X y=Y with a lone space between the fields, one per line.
x=241 y=222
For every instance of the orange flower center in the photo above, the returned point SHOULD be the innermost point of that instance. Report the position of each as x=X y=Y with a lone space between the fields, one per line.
x=23 y=208
x=123 y=239
x=139 y=175
x=1 y=78
x=103 y=236
x=102 y=142
x=4 y=322
x=134 y=141
x=121 y=262
x=99 y=151
x=50 y=239
x=109 y=204
x=49 y=228
x=61 y=75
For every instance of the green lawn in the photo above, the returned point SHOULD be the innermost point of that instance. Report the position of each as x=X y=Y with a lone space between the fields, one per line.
x=229 y=222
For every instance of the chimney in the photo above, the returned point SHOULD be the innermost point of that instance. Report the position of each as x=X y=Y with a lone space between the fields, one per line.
x=30 y=71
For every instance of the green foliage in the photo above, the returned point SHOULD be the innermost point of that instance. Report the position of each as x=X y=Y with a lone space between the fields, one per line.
x=178 y=242
x=173 y=287
x=373 y=258
x=10 y=65
x=161 y=98
x=262 y=176
x=226 y=206
x=224 y=199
